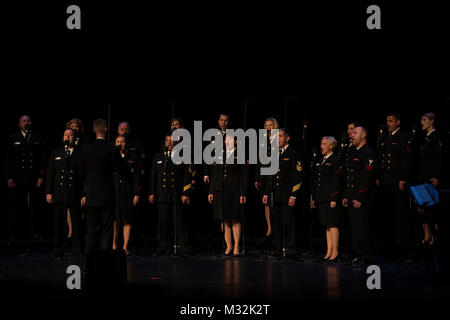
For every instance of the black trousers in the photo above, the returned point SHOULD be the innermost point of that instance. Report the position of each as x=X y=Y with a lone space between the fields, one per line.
x=171 y=223
x=283 y=226
x=100 y=228
x=359 y=226
x=23 y=202
x=60 y=222
x=396 y=217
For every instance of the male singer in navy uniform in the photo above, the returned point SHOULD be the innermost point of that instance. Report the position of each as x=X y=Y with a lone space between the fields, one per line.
x=358 y=194
x=394 y=168
x=63 y=190
x=282 y=190
x=224 y=124
x=169 y=186
x=25 y=171
x=98 y=162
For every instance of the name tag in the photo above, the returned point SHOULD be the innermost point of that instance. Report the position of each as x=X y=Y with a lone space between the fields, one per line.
x=58 y=158
x=17 y=142
x=159 y=162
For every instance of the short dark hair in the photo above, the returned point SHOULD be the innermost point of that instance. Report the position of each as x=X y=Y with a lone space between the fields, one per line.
x=224 y=114
x=176 y=119
x=394 y=114
x=121 y=136
x=286 y=132
x=355 y=123
x=364 y=130
x=99 y=124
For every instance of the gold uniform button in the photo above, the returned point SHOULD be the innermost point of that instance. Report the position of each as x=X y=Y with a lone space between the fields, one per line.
x=278 y=177
x=225 y=175
x=278 y=184
x=62 y=170
x=164 y=185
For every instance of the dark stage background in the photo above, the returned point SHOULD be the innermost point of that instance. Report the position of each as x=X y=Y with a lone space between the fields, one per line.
x=316 y=61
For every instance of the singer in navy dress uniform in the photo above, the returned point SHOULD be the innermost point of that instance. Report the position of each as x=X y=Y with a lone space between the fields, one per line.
x=63 y=191
x=170 y=187
x=25 y=171
x=358 y=195
x=224 y=123
x=127 y=191
x=429 y=172
x=325 y=194
x=284 y=189
x=260 y=180
x=227 y=193
x=394 y=156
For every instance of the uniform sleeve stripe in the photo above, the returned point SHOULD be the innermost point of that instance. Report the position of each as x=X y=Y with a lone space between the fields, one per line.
x=187 y=187
x=361 y=191
x=296 y=187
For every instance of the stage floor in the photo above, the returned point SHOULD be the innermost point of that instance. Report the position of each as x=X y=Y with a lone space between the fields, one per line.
x=208 y=278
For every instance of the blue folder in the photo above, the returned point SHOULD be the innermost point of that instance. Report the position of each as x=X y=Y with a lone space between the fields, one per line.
x=424 y=195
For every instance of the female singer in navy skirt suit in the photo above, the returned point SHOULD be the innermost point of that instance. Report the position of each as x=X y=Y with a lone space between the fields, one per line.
x=325 y=193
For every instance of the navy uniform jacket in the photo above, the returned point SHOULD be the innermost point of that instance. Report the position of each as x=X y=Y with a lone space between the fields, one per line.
x=63 y=177
x=326 y=184
x=360 y=179
x=169 y=180
x=394 y=158
x=127 y=184
x=98 y=163
x=26 y=160
x=431 y=158
x=287 y=181
x=229 y=178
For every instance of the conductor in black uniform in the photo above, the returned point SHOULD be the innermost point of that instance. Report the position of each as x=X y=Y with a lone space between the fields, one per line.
x=98 y=162
x=228 y=193
x=127 y=191
x=358 y=194
x=282 y=190
x=325 y=194
x=394 y=167
x=429 y=172
x=25 y=171
x=169 y=187
x=63 y=190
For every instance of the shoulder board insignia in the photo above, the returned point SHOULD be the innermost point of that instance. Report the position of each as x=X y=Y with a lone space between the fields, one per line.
x=17 y=142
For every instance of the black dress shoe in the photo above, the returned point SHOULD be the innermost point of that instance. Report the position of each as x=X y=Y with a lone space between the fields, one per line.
x=334 y=261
